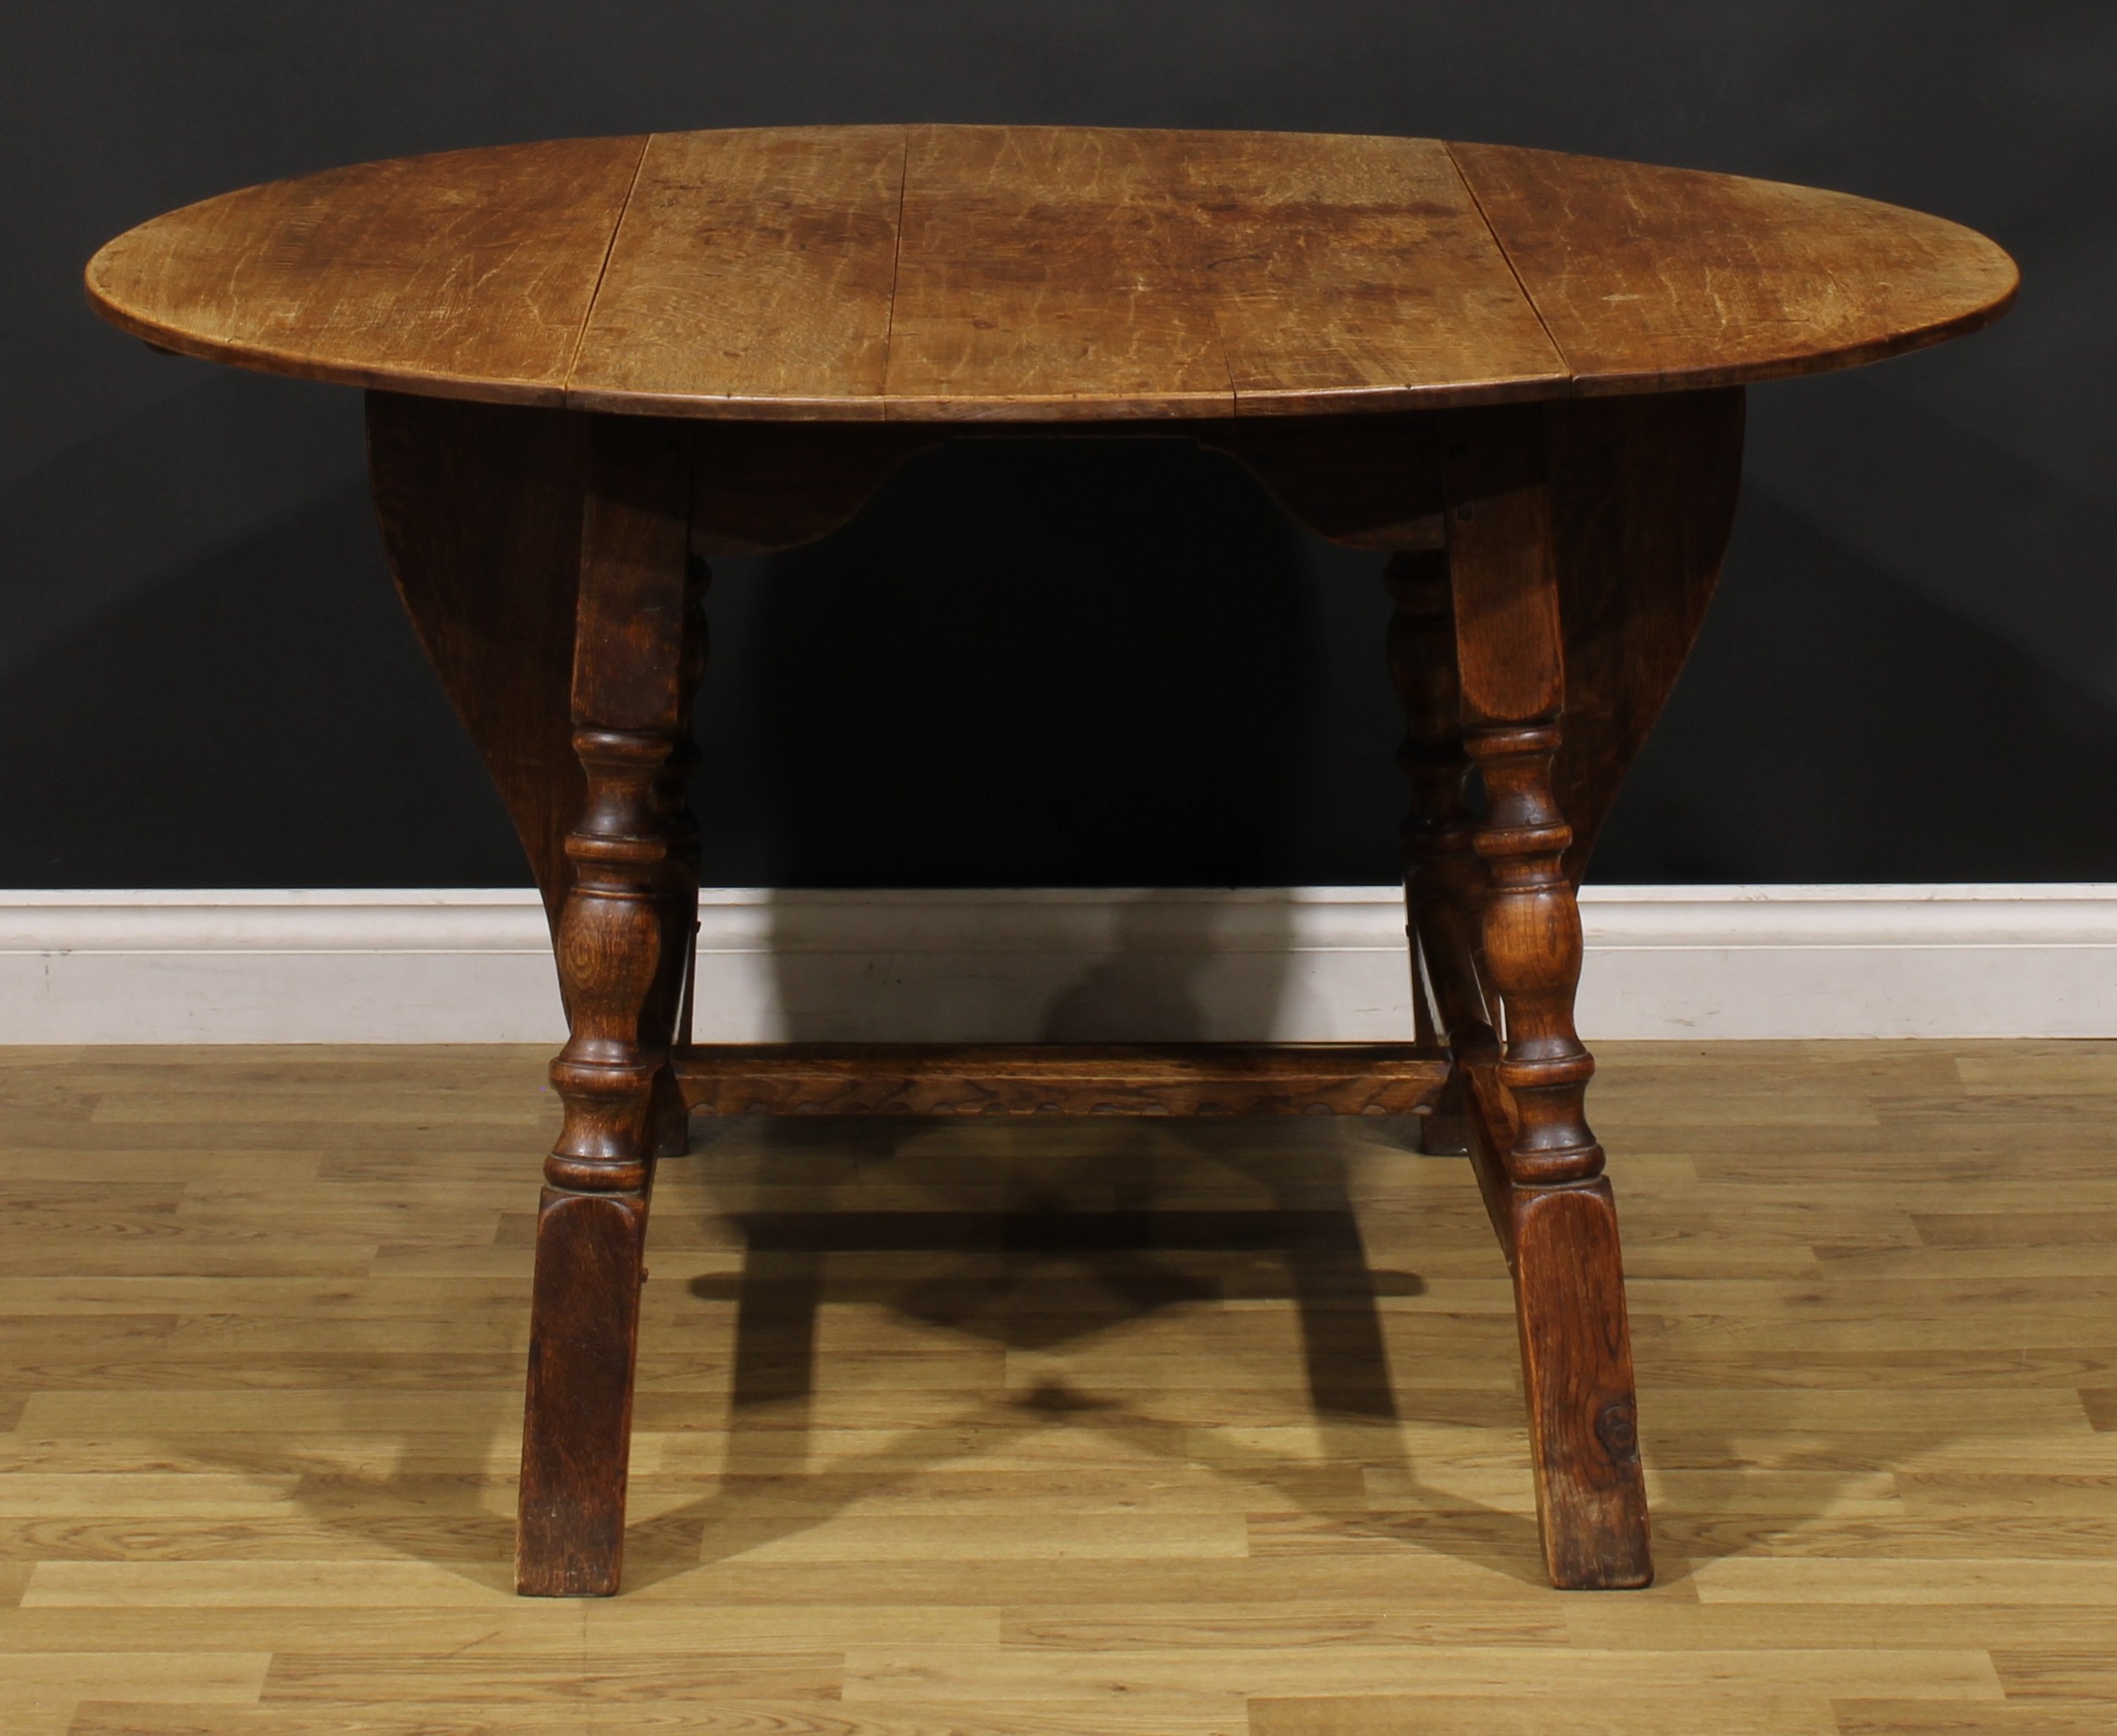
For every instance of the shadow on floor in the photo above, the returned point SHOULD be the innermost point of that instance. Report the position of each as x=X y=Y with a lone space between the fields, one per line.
x=1022 y=1265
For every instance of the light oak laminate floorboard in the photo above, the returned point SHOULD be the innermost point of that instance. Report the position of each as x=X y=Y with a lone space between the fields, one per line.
x=264 y=1314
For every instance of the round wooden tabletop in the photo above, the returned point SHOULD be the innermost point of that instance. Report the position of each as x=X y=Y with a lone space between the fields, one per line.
x=948 y=274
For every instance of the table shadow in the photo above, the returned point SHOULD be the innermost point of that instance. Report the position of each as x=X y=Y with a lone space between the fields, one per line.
x=1037 y=1272
x=1032 y=1271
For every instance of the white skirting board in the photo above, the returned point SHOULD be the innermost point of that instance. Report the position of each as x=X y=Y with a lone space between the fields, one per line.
x=1284 y=964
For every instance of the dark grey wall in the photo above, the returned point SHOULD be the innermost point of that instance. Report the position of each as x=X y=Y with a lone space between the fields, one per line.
x=1086 y=665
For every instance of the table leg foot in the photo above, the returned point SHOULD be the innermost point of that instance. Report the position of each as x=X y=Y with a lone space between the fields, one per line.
x=1576 y=1372
x=583 y=1336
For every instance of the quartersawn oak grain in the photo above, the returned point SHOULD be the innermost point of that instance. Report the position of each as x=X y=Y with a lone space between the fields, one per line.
x=1046 y=272
x=1652 y=278
x=951 y=274
x=1356 y=274
x=466 y=274
x=751 y=275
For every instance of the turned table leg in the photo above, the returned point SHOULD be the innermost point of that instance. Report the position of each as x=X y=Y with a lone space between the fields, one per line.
x=1550 y=566
x=1539 y=1163
x=623 y=936
x=544 y=558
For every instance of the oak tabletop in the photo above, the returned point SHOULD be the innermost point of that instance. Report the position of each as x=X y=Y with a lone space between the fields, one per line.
x=961 y=273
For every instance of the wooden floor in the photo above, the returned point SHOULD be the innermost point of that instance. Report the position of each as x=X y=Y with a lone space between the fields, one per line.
x=1076 y=1429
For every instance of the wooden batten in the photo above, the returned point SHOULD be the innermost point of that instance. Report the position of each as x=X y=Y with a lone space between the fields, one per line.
x=1060 y=1079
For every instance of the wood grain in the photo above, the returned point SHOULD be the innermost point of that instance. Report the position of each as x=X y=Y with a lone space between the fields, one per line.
x=480 y=510
x=1496 y=513
x=752 y=276
x=466 y=274
x=1041 y=274
x=1058 y=1079
x=1355 y=274
x=1642 y=494
x=1090 y=1487
x=1652 y=278
x=1044 y=275
x=1591 y=1504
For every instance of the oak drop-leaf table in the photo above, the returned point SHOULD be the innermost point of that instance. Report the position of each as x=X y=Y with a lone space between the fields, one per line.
x=594 y=364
